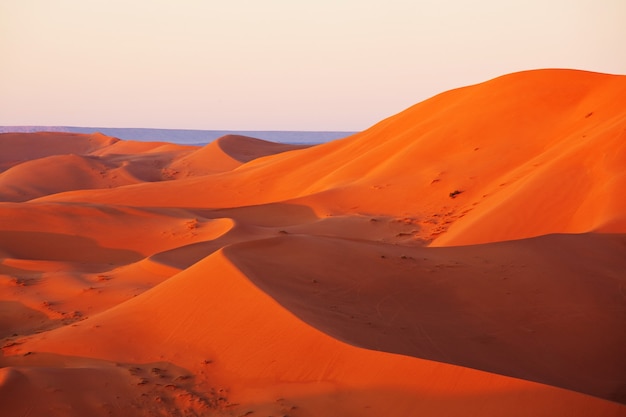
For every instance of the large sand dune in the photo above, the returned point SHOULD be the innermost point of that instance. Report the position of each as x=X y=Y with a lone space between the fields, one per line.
x=464 y=257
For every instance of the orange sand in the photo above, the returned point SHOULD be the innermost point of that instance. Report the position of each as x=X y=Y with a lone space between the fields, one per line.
x=247 y=278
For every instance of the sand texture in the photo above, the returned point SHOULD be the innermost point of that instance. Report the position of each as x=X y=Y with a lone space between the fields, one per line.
x=465 y=257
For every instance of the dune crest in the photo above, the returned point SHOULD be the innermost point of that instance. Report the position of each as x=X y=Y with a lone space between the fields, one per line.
x=463 y=257
x=227 y=153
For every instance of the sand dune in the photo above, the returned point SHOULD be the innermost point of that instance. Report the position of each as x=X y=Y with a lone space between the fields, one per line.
x=19 y=147
x=464 y=257
x=508 y=308
x=31 y=179
x=528 y=163
x=227 y=153
x=254 y=345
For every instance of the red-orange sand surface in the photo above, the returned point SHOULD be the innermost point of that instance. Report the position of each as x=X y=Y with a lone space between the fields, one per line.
x=466 y=257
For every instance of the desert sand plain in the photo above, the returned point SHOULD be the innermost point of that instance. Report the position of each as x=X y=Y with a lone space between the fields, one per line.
x=465 y=257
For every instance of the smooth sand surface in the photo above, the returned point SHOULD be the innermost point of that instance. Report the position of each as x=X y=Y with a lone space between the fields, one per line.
x=465 y=257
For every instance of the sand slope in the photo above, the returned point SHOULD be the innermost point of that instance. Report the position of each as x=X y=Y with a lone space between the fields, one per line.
x=508 y=308
x=257 y=350
x=525 y=150
x=464 y=257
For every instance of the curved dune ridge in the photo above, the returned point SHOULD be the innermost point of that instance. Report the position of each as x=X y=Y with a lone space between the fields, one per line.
x=227 y=153
x=463 y=257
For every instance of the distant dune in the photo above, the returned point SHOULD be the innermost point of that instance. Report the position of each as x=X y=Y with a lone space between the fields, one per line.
x=228 y=153
x=187 y=136
x=464 y=257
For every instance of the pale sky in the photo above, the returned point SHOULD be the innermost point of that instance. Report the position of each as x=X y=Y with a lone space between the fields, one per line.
x=279 y=64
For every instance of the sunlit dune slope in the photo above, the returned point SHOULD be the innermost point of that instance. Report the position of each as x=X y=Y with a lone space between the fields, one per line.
x=211 y=321
x=62 y=263
x=59 y=232
x=55 y=174
x=522 y=155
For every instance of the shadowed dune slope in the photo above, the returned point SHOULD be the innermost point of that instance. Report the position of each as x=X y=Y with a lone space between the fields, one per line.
x=522 y=155
x=508 y=307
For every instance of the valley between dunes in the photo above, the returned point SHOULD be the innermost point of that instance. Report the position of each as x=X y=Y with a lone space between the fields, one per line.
x=465 y=257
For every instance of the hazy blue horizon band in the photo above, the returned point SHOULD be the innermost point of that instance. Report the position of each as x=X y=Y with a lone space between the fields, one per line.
x=187 y=136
